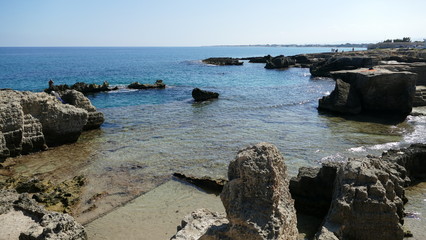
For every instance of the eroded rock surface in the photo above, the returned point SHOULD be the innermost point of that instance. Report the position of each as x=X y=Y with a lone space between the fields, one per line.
x=21 y=218
x=30 y=121
x=222 y=61
x=158 y=84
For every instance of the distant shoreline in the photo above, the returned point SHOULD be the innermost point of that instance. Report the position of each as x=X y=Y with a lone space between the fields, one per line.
x=346 y=45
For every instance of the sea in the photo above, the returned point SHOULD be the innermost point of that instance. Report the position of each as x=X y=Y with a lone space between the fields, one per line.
x=150 y=134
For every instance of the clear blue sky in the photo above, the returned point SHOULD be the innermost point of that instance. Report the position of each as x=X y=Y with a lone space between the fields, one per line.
x=212 y=22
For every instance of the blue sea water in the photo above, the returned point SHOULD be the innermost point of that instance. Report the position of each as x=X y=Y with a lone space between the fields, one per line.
x=168 y=132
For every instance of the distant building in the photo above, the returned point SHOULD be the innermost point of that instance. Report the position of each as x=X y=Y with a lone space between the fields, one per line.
x=424 y=43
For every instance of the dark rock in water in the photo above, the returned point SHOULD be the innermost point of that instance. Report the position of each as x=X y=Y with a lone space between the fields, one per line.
x=158 y=84
x=33 y=221
x=258 y=59
x=374 y=91
x=222 y=61
x=343 y=99
x=312 y=189
x=279 y=62
x=206 y=182
x=81 y=87
x=201 y=95
x=323 y=69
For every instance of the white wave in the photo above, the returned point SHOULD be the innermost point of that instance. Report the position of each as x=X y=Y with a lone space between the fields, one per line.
x=357 y=149
x=334 y=158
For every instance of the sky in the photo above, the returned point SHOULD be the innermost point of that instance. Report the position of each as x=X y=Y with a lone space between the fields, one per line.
x=206 y=23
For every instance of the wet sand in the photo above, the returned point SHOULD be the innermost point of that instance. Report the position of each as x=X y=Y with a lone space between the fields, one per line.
x=154 y=215
x=415 y=221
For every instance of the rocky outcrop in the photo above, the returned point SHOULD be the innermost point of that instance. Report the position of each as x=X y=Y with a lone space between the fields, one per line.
x=22 y=218
x=371 y=90
x=257 y=200
x=222 y=61
x=258 y=59
x=197 y=223
x=202 y=95
x=343 y=99
x=418 y=68
x=158 y=84
x=419 y=99
x=77 y=99
x=367 y=199
x=81 y=87
x=30 y=122
x=279 y=62
x=337 y=63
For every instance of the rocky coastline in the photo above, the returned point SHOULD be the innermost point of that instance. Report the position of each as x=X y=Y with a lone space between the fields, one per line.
x=356 y=199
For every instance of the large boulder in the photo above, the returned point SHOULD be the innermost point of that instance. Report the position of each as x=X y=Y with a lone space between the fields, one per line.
x=22 y=218
x=202 y=95
x=76 y=98
x=30 y=122
x=279 y=62
x=378 y=91
x=367 y=201
x=257 y=200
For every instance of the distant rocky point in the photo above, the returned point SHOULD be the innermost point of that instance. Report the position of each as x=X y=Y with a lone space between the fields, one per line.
x=222 y=61
x=81 y=87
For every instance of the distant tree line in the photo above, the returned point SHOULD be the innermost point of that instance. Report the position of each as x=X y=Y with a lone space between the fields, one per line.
x=406 y=39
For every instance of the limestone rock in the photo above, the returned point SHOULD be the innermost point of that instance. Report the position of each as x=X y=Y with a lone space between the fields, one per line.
x=197 y=223
x=75 y=98
x=31 y=121
x=158 y=84
x=202 y=95
x=22 y=218
x=367 y=202
x=81 y=87
x=256 y=198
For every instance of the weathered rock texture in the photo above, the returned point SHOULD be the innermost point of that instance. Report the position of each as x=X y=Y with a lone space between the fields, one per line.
x=371 y=90
x=256 y=198
x=158 y=84
x=197 y=223
x=364 y=197
x=21 y=218
x=222 y=61
x=367 y=201
x=202 y=95
x=75 y=98
x=29 y=121
x=337 y=63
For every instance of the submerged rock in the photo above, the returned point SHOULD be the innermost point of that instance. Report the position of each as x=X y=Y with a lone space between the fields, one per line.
x=22 y=218
x=205 y=182
x=158 y=84
x=202 y=95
